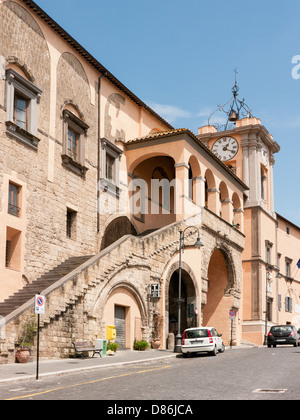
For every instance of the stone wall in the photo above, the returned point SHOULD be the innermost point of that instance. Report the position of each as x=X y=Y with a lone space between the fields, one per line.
x=75 y=305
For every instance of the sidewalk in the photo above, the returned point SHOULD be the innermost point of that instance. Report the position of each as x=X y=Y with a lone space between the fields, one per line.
x=16 y=371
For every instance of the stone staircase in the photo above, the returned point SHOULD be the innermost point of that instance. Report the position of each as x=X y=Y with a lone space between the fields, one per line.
x=76 y=289
x=46 y=280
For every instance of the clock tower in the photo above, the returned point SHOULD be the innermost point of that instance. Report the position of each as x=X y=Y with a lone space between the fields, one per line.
x=248 y=149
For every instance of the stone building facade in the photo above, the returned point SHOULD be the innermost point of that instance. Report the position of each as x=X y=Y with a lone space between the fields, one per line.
x=89 y=170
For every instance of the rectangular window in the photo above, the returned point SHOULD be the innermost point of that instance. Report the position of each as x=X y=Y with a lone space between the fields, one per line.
x=20 y=112
x=73 y=144
x=14 y=200
x=22 y=108
x=71 y=223
x=110 y=165
x=288 y=268
x=288 y=304
x=8 y=254
x=74 y=136
x=13 y=249
x=268 y=255
x=279 y=303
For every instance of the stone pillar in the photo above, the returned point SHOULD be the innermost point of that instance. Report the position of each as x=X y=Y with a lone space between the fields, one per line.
x=181 y=193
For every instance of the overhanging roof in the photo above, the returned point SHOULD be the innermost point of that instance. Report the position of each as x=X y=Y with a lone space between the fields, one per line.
x=184 y=131
x=90 y=59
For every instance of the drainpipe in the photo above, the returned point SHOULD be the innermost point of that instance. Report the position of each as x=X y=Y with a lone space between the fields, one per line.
x=99 y=152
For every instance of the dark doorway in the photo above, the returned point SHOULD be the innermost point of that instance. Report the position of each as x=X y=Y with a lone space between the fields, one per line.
x=120 y=324
x=188 y=306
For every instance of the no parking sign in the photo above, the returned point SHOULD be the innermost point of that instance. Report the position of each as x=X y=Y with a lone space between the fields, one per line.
x=232 y=314
x=39 y=305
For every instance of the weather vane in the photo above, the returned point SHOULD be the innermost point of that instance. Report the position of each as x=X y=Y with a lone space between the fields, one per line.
x=237 y=108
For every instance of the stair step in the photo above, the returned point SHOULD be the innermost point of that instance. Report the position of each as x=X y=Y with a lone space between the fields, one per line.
x=30 y=290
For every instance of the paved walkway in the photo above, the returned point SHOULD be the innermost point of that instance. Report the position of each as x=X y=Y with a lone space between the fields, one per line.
x=16 y=371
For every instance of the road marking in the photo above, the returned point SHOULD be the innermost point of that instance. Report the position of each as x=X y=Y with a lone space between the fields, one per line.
x=88 y=383
x=269 y=391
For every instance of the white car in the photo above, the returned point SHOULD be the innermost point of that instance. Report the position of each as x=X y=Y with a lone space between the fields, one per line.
x=202 y=339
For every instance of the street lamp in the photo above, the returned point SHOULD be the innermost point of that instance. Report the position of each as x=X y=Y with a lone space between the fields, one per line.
x=198 y=244
x=268 y=280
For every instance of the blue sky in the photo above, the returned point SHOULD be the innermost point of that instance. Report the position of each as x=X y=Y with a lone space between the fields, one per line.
x=178 y=56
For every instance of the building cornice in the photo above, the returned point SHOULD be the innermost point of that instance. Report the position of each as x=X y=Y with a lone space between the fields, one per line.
x=89 y=58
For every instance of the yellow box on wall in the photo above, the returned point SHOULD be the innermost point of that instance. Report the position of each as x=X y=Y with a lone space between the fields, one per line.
x=111 y=332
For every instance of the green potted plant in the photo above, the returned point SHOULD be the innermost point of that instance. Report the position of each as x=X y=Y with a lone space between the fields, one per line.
x=27 y=336
x=113 y=347
x=140 y=345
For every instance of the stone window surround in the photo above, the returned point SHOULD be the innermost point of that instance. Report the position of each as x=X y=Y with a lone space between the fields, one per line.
x=107 y=185
x=17 y=84
x=77 y=125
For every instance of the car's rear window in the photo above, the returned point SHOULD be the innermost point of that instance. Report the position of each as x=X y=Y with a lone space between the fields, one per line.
x=281 y=329
x=196 y=333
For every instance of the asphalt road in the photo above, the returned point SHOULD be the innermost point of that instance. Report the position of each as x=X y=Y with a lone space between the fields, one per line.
x=237 y=374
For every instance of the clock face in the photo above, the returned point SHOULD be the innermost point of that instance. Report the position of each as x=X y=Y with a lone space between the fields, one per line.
x=225 y=148
x=264 y=155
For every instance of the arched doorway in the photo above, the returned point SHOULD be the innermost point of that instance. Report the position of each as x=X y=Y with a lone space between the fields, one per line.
x=219 y=301
x=119 y=227
x=123 y=310
x=188 y=305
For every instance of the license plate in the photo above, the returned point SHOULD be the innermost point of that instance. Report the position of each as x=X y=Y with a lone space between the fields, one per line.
x=197 y=342
x=281 y=339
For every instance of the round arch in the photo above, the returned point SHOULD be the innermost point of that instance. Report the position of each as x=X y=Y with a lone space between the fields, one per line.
x=194 y=173
x=220 y=292
x=211 y=192
x=124 y=308
x=133 y=165
x=116 y=229
x=190 y=294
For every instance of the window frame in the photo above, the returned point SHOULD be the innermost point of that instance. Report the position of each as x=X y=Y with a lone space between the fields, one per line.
x=14 y=209
x=110 y=150
x=71 y=223
x=18 y=86
x=288 y=266
x=73 y=124
x=288 y=304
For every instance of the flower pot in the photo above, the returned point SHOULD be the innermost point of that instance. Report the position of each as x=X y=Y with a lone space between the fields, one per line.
x=23 y=355
x=156 y=344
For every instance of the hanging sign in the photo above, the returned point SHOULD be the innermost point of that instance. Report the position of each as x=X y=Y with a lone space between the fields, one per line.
x=155 y=290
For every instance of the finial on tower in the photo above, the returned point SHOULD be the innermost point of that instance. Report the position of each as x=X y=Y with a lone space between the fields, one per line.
x=237 y=108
